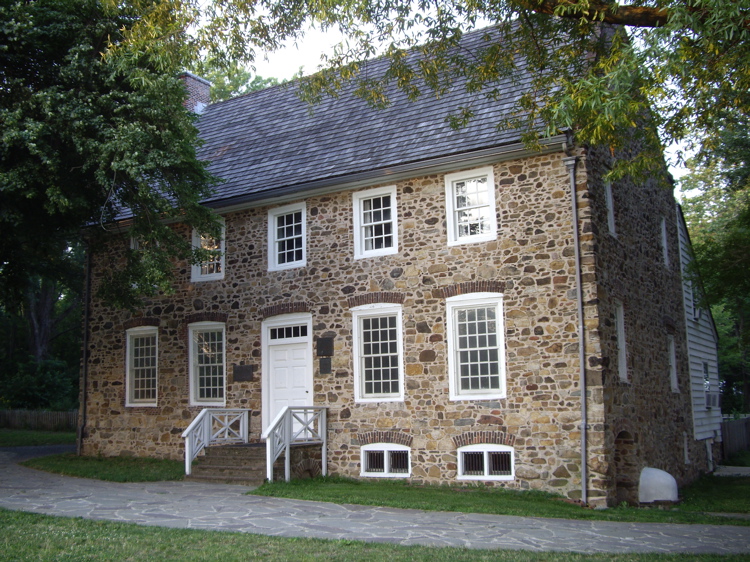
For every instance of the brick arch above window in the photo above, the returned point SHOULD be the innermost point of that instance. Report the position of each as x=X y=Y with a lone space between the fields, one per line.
x=284 y=308
x=469 y=287
x=391 y=436
x=141 y=322
x=483 y=438
x=380 y=297
x=207 y=317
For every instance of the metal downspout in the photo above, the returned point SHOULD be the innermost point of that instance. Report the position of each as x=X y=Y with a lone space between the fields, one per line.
x=85 y=354
x=570 y=163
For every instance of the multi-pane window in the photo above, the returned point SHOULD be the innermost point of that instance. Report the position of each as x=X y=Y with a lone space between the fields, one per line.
x=375 y=227
x=610 y=204
x=476 y=348
x=288 y=332
x=213 y=266
x=485 y=462
x=378 y=353
x=286 y=237
x=385 y=460
x=622 y=352
x=470 y=198
x=672 y=364
x=664 y=242
x=207 y=363
x=142 y=366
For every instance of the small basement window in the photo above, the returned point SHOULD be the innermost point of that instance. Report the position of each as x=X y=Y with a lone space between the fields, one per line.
x=385 y=460
x=486 y=462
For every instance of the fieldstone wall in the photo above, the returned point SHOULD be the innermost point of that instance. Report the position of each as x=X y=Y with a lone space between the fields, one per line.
x=531 y=262
x=647 y=423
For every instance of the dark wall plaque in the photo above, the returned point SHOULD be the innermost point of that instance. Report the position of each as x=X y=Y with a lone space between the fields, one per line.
x=242 y=373
x=325 y=365
x=325 y=347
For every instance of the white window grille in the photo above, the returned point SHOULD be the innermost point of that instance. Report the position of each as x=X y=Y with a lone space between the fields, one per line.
x=610 y=204
x=672 y=364
x=287 y=237
x=212 y=268
x=142 y=366
x=470 y=199
x=622 y=352
x=476 y=350
x=375 y=222
x=486 y=462
x=385 y=460
x=207 y=363
x=378 y=363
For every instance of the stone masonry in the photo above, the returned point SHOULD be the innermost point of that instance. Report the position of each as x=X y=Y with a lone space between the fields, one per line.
x=631 y=424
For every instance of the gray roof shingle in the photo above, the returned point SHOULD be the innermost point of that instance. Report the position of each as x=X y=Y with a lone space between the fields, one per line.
x=270 y=140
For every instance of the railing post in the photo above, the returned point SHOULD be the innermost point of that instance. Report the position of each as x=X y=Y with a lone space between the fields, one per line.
x=245 y=426
x=270 y=447
x=188 y=455
x=288 y=448
x=323 y=426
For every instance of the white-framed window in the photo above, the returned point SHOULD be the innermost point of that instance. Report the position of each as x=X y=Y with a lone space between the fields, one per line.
x=486 y=462
x=142 y=366
x=136 y=244
x=622 y=351
x=287 y=237
x=672 y=364
x=207 y=364
x=476 y=347
x=664 y=242
x=213 y=268
x=375 y=222
x=695 y=298
x=706 y=377
x=385 y=460
x=378 y=353
x=470 y=201
x=610 y=204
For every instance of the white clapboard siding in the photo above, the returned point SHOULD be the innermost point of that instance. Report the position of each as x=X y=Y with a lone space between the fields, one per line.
x=702 y=344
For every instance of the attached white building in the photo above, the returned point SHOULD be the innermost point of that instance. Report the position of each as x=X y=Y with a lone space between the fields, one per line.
x=702 y=342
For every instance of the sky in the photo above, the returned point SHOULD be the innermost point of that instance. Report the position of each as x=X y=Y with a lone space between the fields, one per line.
x=285 y=62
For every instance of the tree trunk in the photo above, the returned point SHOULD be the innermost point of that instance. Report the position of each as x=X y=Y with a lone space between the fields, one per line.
x=41 y=297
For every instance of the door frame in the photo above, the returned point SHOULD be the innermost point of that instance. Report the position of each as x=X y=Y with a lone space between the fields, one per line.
x=297 y=319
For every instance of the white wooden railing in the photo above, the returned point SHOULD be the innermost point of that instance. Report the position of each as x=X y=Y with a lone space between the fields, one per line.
x=215 y=426
x=304 y=425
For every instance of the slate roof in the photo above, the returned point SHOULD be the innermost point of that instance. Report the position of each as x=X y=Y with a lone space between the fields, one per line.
x=270 y=141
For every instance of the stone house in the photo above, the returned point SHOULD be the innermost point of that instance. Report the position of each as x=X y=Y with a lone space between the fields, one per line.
x=450 y=297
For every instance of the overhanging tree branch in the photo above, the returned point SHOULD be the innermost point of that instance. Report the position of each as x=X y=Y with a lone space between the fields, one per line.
x=636 y=16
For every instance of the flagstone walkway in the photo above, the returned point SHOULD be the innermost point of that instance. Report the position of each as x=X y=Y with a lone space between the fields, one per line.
x=227 y=508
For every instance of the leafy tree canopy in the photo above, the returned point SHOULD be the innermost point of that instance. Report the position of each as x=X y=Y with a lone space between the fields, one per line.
x=232 y=79
x=680 y=62
x=717 y=210
x=86 y=138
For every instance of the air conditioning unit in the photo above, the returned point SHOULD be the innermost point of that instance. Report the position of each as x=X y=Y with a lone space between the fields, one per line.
x=713 y=400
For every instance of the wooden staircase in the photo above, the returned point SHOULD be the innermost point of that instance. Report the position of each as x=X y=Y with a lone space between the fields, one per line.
x=232 y=464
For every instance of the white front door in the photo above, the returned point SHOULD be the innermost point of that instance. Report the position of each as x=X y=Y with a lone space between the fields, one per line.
x=287 y=364
x=288 y=377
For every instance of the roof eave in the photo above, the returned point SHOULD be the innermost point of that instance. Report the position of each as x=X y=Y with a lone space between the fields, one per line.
x=388 y=174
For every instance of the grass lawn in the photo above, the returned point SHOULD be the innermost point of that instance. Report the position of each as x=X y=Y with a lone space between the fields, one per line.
x=710 y=494
x=29 y=536
x=31 y=437
x=112 y=469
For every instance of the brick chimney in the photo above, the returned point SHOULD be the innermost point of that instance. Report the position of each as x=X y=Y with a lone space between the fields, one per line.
x=198 y=90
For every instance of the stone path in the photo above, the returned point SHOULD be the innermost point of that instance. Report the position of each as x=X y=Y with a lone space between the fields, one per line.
x=223 y=507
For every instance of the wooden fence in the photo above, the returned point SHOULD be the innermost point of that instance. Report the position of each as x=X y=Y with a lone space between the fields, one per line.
x=39 y=419
x=735 y=435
